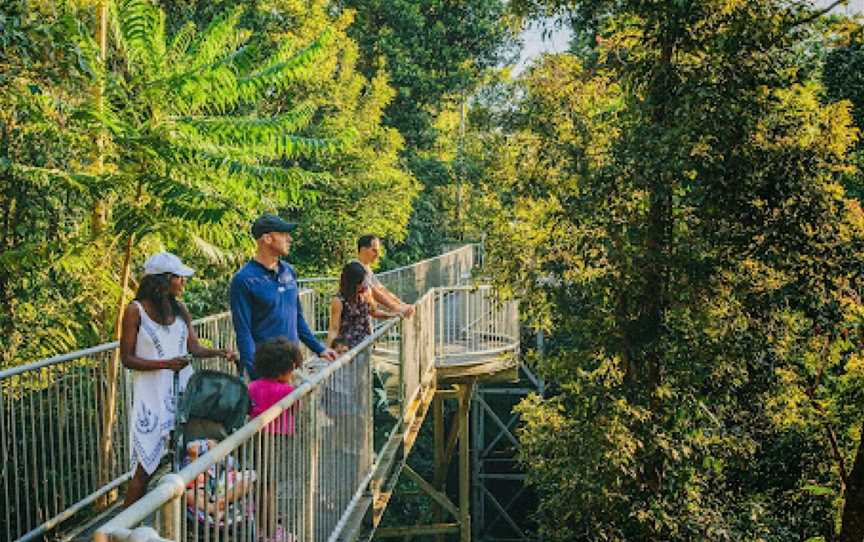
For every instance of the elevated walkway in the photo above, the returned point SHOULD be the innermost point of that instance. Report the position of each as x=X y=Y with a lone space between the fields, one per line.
x=357 y=421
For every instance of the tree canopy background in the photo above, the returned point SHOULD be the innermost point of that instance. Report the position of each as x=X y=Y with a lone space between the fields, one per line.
x=676 y=201
x=670 y=203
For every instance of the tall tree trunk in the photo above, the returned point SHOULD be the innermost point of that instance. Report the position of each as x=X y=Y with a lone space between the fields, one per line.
x=852 y=528
x=6 y=202
x=98 y=223
x=99 y=212
x=654 y=297
x=110 y=380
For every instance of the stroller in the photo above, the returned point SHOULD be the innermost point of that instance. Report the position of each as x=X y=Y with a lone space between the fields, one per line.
x=213 y=406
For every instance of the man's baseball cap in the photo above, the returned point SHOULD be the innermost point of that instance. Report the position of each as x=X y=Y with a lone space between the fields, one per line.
x=165 y=262
x=270 y=223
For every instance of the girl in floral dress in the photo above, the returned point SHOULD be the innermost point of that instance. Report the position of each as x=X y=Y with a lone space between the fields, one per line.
x=352 y=309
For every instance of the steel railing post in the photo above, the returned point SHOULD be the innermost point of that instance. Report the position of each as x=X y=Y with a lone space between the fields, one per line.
x=169 y=520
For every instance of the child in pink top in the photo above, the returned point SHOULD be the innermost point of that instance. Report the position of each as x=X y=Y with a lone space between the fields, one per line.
x=275 y=362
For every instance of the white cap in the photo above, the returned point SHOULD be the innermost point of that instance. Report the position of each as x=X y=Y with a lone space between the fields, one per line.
x=165 y=262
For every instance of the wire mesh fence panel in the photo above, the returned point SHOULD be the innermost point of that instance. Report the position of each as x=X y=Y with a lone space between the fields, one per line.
x=474 y=322
x=449 y=269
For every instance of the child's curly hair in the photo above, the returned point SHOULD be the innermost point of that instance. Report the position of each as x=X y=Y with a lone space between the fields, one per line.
x=276 y=357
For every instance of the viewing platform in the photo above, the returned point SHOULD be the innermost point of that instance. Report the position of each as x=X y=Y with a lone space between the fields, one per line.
x=65 y=442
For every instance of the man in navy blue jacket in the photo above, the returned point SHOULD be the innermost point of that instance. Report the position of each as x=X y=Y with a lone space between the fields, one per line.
x=264 y=302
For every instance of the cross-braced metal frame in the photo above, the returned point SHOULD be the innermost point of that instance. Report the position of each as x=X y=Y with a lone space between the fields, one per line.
x=498 y=483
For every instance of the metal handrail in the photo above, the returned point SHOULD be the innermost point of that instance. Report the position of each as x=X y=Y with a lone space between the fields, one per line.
x=172 y=486
x=78 y=354
x=39 y=401
x=417 y=344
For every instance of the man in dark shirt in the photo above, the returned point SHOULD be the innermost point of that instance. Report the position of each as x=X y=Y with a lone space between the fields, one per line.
x=264 y=295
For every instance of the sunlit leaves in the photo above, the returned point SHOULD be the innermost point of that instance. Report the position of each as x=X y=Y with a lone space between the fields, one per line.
x=675 y=210
x=176 y=136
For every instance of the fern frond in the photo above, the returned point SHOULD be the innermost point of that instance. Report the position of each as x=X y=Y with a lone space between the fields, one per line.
x=293 y=147
x=288 y=185
x=195 y=150
x=142 y=29
x=130 y=219
x=213 y=89
x=284 y=68
x=181 y=42
x=204 y=215
x=202 y=246
x=274 y=175
x=230 y=130
x=226 y=79
x=45 y=177
x=90 y=58
x=104 y=117
x=158 y=43
x=221 y=38
x=283 y=145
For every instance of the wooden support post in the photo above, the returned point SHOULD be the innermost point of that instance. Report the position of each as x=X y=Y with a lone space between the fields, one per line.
x=438 y=497
x=464 y=463
x=417 y=530
x=439 y=476
x=452 y=440
x=478 y=509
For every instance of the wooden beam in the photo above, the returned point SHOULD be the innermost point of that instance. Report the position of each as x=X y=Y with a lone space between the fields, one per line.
x=510 y=423
x=508 y=391
x=417 y=415
x=511 y=477
x=464 y=464
x=538 y=382
x=496 y=370
x=452 y=439
x=417 y=530
x=436 y=495
x=505 y=430
x=440 y=474
x=507 y=506
x=447 y=394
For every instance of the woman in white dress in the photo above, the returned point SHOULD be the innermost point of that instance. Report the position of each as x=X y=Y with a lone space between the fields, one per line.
x=156 y=338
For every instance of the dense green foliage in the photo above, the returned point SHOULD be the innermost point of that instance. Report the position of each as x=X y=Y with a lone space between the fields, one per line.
x=677 y=201
x=432 y=49
x=674 y=213
x=180 y=157
x=843 y=75
x=366 y=189
x=46 y=308
x=199 y=127
x=437 y=54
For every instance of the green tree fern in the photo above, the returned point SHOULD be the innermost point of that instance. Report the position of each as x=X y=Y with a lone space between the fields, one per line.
x=187 y=155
